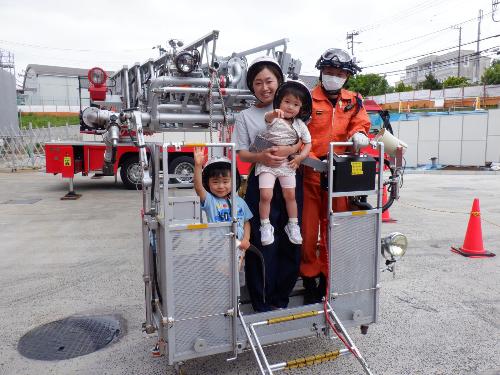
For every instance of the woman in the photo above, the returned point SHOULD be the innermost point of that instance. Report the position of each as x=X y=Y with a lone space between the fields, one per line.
x=282 y=258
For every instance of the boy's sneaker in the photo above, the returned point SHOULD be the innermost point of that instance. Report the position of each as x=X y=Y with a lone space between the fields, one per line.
x=266 y=234
x=293 y=232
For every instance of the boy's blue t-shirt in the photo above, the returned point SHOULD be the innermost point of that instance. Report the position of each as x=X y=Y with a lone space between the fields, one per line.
x=218 y=210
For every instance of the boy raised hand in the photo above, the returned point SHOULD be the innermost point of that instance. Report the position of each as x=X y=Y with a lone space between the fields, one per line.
x=199 y=159
x=215 y=194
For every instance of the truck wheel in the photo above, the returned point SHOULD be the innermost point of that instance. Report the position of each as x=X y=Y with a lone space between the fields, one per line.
x=183 y=166
x=130 y=172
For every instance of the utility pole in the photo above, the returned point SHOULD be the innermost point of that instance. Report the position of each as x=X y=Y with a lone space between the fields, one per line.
x=459 y=46
x=350 y=41
x=478 y=58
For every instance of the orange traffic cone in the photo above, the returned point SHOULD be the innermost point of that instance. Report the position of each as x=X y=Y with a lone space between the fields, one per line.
x=386 y=216
x=473 y=242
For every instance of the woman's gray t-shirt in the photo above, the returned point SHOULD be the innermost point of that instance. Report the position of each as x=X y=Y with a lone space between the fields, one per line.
x=248 y=124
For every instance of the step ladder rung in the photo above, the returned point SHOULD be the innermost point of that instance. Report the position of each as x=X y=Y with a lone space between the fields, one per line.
x=310 y=360
x=287 y=318
x=268 y=369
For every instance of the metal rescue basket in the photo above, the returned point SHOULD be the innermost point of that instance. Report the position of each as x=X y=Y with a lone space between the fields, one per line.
x=193 y=297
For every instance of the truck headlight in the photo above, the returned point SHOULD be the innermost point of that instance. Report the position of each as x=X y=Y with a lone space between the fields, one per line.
x=185 y=62
x=394 y=246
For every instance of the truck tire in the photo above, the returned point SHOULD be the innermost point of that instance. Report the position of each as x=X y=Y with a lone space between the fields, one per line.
x=130 y=172
x=182 y=165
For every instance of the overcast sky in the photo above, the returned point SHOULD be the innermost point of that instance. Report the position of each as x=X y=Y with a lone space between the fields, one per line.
x=114 y=33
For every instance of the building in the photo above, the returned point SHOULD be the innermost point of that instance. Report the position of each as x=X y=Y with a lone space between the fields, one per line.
x=54 y=86
x=309 y=81
x=8 y=107
x=444 y=66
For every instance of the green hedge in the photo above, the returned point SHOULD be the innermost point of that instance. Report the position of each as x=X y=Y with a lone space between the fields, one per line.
x=39 y=120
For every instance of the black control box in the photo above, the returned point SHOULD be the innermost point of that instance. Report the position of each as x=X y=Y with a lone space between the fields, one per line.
x=352 y=173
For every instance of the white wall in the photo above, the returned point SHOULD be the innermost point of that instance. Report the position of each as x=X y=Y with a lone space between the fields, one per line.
x=461 y=140
x=451 y=93
x=53 y=91
x=8 y=105
x=493 y=137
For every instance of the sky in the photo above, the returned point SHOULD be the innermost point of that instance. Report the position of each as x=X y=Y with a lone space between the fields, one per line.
x=112 y=33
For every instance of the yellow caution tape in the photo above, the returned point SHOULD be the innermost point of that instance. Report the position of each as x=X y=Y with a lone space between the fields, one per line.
x=197 y=226
x=474 y=213
x=312 y=360
x=358 y=213
x=292 y=317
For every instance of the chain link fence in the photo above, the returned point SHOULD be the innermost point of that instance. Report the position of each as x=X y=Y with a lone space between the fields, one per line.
x=25 y=148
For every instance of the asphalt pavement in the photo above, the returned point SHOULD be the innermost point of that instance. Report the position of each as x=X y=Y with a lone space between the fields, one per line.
x=438 y=315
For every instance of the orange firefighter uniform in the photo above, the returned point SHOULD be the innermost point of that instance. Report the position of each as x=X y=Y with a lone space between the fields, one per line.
x=328 y=124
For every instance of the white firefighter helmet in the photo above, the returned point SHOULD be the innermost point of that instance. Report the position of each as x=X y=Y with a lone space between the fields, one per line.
x=220 y=162
x=305 y=96
x=255 y=64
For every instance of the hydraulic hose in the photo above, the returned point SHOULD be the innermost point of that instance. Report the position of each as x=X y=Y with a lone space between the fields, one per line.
x=152 y=241
x=393 y=180
x=258 y=253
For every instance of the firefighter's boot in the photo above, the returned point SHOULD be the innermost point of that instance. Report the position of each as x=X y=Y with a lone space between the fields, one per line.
x=321 y=287
x=311 y=290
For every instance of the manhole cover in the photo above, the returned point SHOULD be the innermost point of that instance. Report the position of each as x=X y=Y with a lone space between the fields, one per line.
x=22 y=201
x=69 y=338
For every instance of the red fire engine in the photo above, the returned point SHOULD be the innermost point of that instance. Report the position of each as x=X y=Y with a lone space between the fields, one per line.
x=69 y=158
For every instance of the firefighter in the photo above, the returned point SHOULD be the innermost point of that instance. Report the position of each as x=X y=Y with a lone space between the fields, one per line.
x=337 y=115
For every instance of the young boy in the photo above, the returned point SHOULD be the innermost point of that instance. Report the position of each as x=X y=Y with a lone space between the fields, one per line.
x=213 y=185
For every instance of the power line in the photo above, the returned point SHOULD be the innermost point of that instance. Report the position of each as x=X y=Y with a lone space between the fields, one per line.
x=487 y=52
x=409 y=12
x=400 y=71
x=402 y=52
x=405 y=41
x=438 y=65
x=429 y=53
x=422 y=36
x=69 y=49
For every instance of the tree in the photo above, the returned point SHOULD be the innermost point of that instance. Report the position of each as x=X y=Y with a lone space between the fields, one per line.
x=400 y=87
x=368 y=84
x=430 y=83
x=455 y=82
x=491 y=75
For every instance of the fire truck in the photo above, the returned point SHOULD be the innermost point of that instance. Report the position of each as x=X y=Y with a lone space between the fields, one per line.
x=69 y=158
x=122 y=91
x=186 y=116
x=207 y=312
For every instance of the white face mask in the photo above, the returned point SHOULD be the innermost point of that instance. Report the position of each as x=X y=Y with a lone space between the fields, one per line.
x=332 y=83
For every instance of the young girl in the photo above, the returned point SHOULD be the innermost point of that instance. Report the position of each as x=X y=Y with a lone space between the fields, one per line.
x=292 y=103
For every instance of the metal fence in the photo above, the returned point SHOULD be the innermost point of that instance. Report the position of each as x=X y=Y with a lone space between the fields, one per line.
x=25 y=148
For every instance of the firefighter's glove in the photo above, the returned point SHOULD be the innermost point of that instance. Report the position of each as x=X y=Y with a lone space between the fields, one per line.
x=359 y=140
